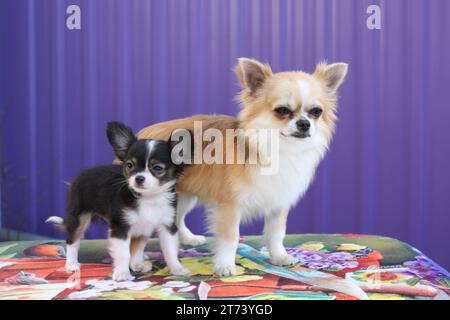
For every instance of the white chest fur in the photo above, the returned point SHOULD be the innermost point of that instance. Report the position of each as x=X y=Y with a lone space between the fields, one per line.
x=282 y=190
x=151 y=213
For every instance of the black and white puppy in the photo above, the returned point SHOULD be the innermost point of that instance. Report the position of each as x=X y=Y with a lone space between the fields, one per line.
x=136 y=199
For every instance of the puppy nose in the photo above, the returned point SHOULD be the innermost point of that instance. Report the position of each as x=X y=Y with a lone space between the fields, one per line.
x=140 y=179
x=303 y=125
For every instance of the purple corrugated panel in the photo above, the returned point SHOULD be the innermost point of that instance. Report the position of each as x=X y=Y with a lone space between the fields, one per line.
x=388 y=169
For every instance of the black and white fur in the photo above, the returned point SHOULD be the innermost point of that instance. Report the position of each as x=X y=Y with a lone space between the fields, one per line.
x=135 y=199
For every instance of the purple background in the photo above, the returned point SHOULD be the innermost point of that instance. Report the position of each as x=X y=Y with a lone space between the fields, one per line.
x=388 y=170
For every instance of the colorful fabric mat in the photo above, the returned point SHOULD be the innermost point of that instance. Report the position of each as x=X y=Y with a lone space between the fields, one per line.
x=331 y=267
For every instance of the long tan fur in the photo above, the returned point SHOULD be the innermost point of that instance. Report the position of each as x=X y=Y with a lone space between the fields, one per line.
x=211 y=183
x=220 y=185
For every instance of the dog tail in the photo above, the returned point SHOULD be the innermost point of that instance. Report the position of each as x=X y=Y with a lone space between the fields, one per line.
x=57 y=222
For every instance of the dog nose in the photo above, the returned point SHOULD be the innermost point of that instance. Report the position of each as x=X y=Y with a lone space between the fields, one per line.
x=139 y=179
x=303 y=125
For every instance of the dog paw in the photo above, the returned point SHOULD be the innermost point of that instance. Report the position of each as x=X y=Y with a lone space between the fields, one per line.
x=193 y=240
x=179 y=271
x=122 y=275
x=225 y=270
x=72 y=267
x=283 y=260
x=141 y=266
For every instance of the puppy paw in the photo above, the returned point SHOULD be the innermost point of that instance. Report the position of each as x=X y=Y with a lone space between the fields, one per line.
x=179 y=271
x=72 y=267
x=192 y=240
x=141 y=266
x=225 y=270
x=122 y=275
x=283 y=260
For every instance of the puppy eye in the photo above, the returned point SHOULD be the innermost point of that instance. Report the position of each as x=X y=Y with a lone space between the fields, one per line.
x=129 y=165
x=283 y=111
x=157 y=168
x=315 y=112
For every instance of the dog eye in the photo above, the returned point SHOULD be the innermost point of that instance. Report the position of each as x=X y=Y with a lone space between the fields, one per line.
x=157 y=168
x=283 y=111
x=315 y=112
x=129 y=165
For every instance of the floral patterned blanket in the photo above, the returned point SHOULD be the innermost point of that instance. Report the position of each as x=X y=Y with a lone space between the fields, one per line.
x=331 y=267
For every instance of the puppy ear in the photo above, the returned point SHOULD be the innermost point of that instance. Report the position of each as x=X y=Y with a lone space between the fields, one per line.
x=252 y=74
x=332 y=75
x=121 y=138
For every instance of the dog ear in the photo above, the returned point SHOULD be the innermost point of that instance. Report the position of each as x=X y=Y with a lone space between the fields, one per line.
x=120 y=137
x=181 y=144
x=332 y=75
x=252 y=74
